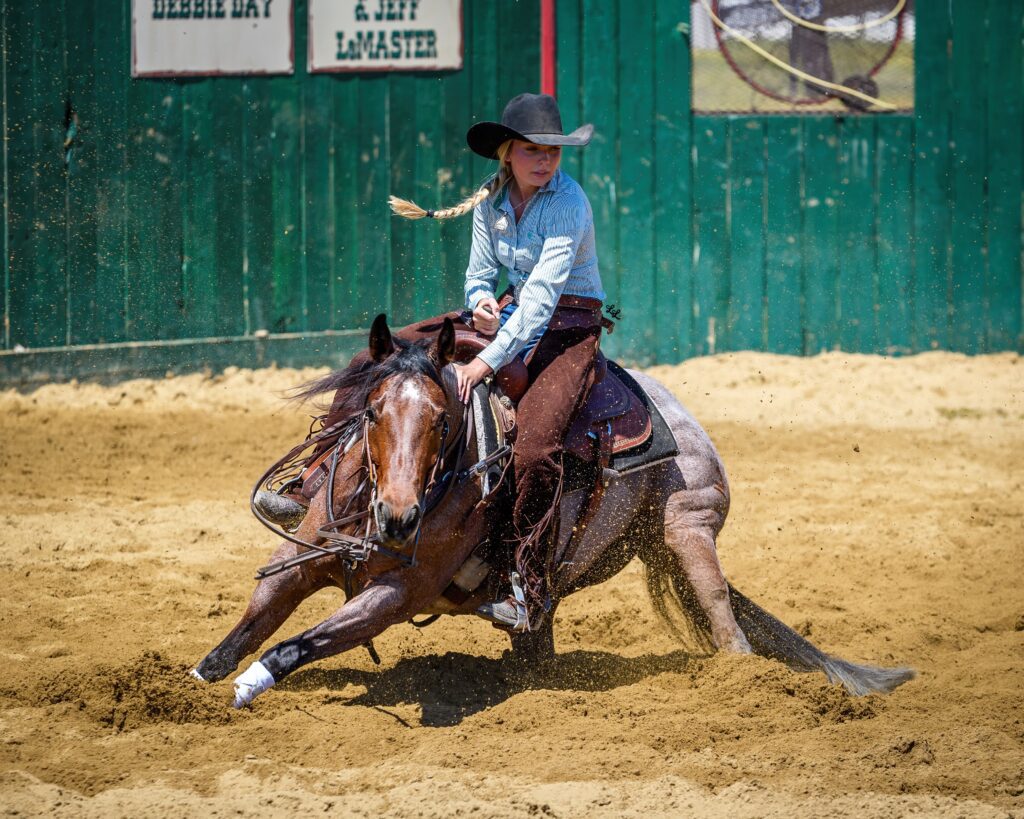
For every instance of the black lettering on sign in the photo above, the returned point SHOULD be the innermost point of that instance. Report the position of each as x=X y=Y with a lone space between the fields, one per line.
x=426 y=44
x=405 y=44
x=393 y=10
x=206 y=9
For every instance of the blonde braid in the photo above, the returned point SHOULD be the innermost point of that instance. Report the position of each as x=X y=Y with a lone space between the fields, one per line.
x=410 y=210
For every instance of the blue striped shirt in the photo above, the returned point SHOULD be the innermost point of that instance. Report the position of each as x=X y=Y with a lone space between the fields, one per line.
x=549 y=253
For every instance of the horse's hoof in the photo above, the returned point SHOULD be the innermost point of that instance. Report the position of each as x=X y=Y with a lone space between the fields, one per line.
x=279 y=509
x=194 y=673
x=251 y=683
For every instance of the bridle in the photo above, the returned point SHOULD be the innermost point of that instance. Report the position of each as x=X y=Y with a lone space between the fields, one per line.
x=354 y=550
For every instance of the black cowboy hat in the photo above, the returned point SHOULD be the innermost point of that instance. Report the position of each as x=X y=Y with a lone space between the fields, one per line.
x=530 y=117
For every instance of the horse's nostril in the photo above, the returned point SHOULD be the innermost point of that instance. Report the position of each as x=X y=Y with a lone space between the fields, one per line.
x=411 y=516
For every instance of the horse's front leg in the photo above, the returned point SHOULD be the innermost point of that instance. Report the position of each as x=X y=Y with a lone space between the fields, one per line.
x=384 y=603
x=273 y=601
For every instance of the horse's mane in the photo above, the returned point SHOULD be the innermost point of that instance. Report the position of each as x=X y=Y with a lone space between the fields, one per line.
x=359 y=380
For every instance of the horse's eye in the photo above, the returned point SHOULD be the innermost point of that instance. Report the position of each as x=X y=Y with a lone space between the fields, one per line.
x=371 y=416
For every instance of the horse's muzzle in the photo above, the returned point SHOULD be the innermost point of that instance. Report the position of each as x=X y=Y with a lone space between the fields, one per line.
x=396 y=528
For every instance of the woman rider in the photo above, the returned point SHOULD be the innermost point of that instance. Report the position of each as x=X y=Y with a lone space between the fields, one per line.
x=534 y=220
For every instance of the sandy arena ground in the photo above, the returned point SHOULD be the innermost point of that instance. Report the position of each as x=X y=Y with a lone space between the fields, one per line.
x=878 y=507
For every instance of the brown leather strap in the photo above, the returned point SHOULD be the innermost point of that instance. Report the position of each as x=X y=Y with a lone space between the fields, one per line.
x=604 y=457
x=579 y=303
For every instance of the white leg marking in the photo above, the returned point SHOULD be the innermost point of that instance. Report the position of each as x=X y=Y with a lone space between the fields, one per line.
x=251 y=683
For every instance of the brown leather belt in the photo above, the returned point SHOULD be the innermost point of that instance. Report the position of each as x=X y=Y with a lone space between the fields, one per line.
x=570 y=312
x=580 y=303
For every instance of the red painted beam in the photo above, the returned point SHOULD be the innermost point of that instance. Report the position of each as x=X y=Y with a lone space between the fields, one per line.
x=547 y=47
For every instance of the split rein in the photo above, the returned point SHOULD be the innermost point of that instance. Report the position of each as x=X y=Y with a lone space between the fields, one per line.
x=355 y=550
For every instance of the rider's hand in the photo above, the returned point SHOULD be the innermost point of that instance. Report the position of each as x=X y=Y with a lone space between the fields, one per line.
x=468 y=376
x=485 y=316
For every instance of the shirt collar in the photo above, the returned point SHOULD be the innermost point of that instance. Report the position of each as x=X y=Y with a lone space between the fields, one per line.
x=553 y=184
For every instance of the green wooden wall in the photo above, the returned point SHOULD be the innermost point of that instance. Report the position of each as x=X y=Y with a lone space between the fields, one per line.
x=250 y=212
x=167 y=224
x=797 y=234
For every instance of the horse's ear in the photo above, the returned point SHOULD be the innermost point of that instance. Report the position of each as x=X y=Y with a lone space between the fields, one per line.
x=444 y=349
x=381 y=343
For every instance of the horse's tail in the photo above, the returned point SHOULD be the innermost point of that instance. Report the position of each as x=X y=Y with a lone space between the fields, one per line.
x=767 y=635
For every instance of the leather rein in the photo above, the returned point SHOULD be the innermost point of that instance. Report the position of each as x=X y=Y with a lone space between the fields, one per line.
x=354 y=550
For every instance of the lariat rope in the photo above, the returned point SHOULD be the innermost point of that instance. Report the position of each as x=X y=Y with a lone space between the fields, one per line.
x=800 y=21
x=796 y=72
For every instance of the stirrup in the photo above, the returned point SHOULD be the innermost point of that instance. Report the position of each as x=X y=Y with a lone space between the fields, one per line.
x=279 y=509
x=511 y=612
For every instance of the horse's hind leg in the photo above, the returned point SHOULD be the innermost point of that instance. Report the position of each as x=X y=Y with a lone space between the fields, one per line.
x=692 y=520
x=274 y=599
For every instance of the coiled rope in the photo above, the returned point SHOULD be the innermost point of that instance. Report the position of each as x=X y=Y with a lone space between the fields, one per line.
x=800 y=21
x=796 y=72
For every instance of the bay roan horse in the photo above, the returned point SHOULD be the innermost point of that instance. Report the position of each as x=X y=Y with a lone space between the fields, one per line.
x=668 y=515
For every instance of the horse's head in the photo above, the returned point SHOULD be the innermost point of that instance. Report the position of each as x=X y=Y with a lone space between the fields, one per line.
x=409 y=416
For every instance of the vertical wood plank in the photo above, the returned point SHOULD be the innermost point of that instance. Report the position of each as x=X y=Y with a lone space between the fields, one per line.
x=932 y=209
x=258 y=197
x=346 y=201
x=968 y=175
x=711 y=285
x=487 y=103
x=404 y=138
x=783 y=219
x=82 y=137
x=820 y=234
x=1005 y=176
x=318 y=202
x=154 y=292
x=895 y=239
x=227 y=117
x=517 y=33
x=636 y=179
x=5 y=267
x=428 y=297
x=745 y=317
x=599 y=175
x=374 y=216
x=290 y=297
x=199 y=260
x=568 y=80
x=673 y=248
x=112 y=55
x=37 y=305
x=857 y=234
x=457 y=181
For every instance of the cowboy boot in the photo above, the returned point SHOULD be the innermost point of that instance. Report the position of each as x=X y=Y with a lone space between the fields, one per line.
x=280 y=509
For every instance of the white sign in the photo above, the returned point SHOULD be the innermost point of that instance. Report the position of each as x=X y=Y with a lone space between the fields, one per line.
x=385 y=35
x=174 y=38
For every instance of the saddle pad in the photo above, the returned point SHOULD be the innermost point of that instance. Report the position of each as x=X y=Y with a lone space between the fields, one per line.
x=659 y=446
